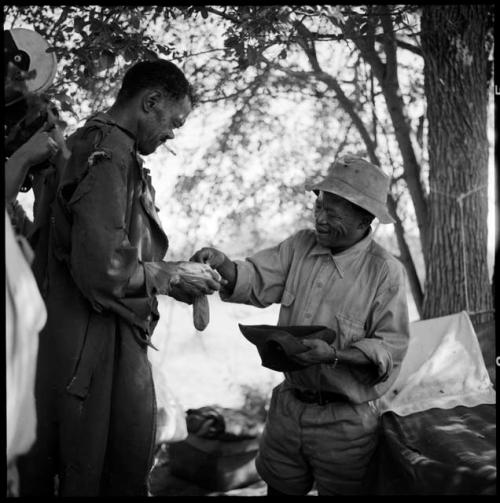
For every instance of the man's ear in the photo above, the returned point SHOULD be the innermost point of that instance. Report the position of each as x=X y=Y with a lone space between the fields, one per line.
x=151 y=99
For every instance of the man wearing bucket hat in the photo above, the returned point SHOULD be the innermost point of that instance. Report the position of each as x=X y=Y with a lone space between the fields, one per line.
x=322 y=423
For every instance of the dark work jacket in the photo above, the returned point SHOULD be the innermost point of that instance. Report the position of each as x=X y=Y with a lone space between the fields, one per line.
x=95 y=396
x=106 y=223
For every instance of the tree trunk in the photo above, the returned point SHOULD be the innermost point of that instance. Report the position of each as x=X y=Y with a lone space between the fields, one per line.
x=456 y=87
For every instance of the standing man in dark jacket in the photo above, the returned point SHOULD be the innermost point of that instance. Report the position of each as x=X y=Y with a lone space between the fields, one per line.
x=95 y=396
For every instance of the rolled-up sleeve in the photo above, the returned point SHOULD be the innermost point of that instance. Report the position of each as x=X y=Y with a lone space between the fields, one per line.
x=261 y=278
x=388 y=337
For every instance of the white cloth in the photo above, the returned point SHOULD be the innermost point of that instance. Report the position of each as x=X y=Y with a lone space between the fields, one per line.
x=25 y=315
x=171 y=423
x=443 y=368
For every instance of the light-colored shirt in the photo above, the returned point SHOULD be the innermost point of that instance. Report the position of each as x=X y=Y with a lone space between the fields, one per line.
x=359 y=293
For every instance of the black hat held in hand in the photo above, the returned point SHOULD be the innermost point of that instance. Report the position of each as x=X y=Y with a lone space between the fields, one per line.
x=277 y=344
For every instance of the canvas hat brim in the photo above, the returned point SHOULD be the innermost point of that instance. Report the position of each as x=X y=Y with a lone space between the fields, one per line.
x=276 y=344
x=343 y=189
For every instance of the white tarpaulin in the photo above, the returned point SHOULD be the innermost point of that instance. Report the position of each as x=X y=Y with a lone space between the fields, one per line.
x=25 y=316
x=443 y=368
x=170 y=416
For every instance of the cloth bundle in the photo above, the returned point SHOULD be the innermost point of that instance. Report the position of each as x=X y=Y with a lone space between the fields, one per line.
x=222 y=423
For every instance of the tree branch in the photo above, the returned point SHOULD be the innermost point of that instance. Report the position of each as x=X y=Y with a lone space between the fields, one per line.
x=404 y=45
x=388 y=80
x=222 y=14
x=62 y=18
x=349 y=108
x=239 y=92
x=389 y=42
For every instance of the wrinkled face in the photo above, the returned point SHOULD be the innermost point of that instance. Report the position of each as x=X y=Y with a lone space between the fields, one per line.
x=162 y=114
x=338 y=224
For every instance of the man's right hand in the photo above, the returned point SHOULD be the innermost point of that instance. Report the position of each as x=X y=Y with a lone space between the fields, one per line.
x=219 y=261
x=196 y=279
x=210 y=256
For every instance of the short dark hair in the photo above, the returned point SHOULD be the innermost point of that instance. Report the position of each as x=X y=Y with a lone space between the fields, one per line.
x=157 y=73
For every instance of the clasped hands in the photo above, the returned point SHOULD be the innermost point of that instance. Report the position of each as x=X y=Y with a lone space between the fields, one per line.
x=185 y=280
x=210 y=270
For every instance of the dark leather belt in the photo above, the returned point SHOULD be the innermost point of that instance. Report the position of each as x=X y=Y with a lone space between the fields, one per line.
x=318 y=397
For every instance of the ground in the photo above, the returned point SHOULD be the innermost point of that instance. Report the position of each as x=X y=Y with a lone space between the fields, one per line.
x=220 y=367
x=215 y=367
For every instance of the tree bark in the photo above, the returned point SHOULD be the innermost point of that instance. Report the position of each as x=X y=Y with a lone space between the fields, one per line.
x=456 y=87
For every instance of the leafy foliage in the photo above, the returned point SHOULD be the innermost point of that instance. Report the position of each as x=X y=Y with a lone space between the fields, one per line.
x=284 y=122
x=297 y=85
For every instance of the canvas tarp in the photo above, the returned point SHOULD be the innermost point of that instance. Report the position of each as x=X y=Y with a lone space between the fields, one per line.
x=443 y=368
x=438 y=432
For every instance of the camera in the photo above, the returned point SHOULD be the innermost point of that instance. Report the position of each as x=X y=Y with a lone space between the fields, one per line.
x=29 y=70
x=23 y=118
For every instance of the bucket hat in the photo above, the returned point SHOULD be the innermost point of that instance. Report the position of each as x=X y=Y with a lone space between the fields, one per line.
x=276 y=344
x=360 y=182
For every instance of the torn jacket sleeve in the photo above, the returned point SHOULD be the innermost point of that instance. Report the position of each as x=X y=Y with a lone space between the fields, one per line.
x=103 y=261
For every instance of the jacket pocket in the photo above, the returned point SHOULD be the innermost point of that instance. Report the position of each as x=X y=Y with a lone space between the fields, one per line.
x=349 y=331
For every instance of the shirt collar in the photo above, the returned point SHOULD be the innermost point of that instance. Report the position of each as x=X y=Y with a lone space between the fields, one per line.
x=342 y=259
x=107 y=119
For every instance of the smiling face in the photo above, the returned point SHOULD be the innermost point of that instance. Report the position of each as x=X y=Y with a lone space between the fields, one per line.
x=339 y=223
x=160 y=115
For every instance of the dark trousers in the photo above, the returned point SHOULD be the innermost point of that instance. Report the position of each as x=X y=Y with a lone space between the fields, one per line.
x=95 y=431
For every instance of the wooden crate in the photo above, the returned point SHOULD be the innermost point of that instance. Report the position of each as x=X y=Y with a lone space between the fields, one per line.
x=215 y=464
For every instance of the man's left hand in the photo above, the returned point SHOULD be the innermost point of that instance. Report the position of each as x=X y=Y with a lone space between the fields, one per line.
x=319 y=352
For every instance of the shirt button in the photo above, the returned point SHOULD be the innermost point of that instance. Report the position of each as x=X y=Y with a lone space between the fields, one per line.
x=319 y=284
